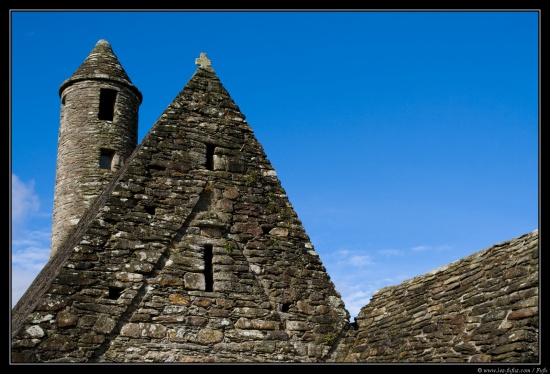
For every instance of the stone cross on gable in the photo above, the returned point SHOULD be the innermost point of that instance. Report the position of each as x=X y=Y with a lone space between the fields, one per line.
x=203 y=62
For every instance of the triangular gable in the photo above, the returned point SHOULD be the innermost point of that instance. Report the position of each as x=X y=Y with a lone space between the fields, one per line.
x=193 y=249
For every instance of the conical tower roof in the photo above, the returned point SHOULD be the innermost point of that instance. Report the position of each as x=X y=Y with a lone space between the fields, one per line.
x=101 y=64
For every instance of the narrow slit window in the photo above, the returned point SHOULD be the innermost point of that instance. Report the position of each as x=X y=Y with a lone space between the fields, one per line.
x=285 y=307
x=107 y=99
x=115 y=292
x=106 y=159
x=210 y=156
x=208 y=272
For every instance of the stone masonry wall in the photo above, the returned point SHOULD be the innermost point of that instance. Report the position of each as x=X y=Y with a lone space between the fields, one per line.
x=483 y=308
x=79 y=179
x=83 y=135
x=135 y=286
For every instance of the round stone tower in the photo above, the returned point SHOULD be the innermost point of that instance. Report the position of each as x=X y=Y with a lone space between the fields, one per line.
x=98 y=132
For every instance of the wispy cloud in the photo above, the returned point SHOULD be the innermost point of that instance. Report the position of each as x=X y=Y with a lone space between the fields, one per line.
x=20 y=282
x=356 y=298
x=30 y=252
x=360 y=260
x=345 y=257
x=421 y=248
x=390 y=252
x=357 y=290
x=24 y=201
x=30 y=249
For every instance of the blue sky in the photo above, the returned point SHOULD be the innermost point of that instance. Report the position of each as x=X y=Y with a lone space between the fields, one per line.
x=405 y=140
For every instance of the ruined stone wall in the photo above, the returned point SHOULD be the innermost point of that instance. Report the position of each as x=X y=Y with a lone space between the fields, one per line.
x=135 y=287
x=483 y=308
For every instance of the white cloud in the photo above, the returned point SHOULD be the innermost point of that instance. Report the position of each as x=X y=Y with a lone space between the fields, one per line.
x=357 y=260
x=357 y=287
x=20 y=281
x=342 y=253
x=356 y=300
x=24 y=202
x=30 y=250
x=421 y=248
x=444 y=247
x=390 y=252
x=345 y=257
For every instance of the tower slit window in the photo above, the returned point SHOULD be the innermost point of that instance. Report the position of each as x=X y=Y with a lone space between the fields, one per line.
x=107 y=99
x=208 y=272
x=210 y=156
x=106 y=158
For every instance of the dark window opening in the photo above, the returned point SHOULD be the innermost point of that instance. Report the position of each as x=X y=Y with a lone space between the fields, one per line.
x=107 y=99
x=106 y=158
x=156 y=167
x=115 y=292
x=208 y=273
x=210 y=156
x=155 y=170
x=285 y=308
x=150 y=209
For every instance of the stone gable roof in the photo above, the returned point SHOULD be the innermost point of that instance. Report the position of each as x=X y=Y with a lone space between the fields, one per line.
x=482 y=308
x=132 y=276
